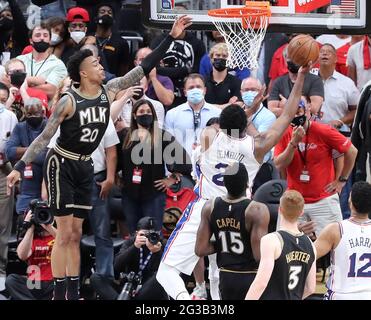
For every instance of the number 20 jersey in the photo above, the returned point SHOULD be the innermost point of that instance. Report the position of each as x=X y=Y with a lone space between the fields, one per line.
x=83 y=131
x=224 y=151
x=350 y=276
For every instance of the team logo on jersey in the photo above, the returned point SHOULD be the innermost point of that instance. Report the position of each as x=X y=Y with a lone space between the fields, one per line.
x=103 y=97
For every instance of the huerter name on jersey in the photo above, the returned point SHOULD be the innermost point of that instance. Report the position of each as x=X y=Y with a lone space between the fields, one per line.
x=297 y=256
x=92 y=115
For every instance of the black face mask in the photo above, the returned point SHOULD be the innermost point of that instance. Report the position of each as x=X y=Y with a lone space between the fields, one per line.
x=6 y=24
x=17 y=78
x=145 y=120
x=299 y=120
x=139 y=95
x=41 y=46
x=105 y=21
x=293 y=68
x=34 y=122
x=220 y=64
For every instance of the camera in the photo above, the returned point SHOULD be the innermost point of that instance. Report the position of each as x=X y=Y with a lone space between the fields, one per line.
x=41 y=212
x=130 y=287
x=153 y=237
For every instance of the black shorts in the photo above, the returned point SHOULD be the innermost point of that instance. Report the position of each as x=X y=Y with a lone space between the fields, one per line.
x=69 y=185
x=233 y=285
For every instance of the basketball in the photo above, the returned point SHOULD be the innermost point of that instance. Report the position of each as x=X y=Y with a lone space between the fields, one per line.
x=302 y=49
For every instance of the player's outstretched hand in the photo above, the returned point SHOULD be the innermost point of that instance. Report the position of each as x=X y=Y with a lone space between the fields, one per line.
x=180 y=24
x=13 y=178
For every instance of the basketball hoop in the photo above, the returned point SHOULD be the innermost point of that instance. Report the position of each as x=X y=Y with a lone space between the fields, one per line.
x=243 y=30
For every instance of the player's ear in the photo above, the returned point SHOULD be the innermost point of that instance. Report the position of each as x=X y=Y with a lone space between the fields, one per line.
x=83 y=74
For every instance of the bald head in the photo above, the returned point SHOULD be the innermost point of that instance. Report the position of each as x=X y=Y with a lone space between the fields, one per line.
x=141 y=54
x=250 y=84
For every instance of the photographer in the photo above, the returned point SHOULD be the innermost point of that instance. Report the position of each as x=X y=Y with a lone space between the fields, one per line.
x=35 y=248
x=140 y=256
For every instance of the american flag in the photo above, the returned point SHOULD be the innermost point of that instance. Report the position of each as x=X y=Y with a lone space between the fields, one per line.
x=346 y=7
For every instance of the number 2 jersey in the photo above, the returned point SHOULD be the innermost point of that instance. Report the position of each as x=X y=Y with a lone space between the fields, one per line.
x=291 y=268
x=224 y=151
x=83 y=131
x=350 y=276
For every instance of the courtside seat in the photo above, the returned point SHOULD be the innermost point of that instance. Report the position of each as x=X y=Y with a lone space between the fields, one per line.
x=270 y=193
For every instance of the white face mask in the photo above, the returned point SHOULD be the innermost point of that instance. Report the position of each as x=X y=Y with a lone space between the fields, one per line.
x=77 y=36
x=55 y=39
x=2 y=108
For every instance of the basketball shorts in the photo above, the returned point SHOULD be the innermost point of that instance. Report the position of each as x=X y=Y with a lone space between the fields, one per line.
x=69 y=185
x=233 y=285
x=180 y=248
x=331 y=295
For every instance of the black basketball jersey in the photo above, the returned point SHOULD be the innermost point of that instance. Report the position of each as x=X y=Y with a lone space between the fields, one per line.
x=232 y=244
x=83 y=132
x=291 y=268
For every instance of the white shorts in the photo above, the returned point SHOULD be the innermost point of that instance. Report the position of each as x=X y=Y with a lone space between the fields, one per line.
x=180 y=248
x=330 y=295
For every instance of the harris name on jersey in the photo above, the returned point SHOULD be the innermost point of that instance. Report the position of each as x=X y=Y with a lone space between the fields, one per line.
x=360 y=242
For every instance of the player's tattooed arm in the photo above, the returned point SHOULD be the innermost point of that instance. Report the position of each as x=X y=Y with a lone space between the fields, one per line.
x=150 y=61
x=61 y=111
x=130 y=79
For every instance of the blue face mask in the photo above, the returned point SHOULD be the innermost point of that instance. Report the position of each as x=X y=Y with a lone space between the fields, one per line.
x=2 y=108
x=195 y=96
x=248 y=97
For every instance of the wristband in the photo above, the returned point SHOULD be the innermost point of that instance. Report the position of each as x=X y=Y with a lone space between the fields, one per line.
x=20 y=166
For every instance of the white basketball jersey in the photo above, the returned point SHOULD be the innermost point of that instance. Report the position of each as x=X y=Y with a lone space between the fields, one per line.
x=350 y=276
x=224 y=151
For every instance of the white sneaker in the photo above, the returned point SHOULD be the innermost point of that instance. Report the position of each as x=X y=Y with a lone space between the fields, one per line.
x=199 y=292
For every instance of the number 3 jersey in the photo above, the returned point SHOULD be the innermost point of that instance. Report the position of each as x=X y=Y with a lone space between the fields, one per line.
x=291 y=268
x=83 y=131
x=350 y=276
x=224 y=151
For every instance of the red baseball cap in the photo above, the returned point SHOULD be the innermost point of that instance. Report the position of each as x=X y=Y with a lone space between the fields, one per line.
x=77 y=14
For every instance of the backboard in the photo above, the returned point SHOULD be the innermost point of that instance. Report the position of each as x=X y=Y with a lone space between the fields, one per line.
x=289 y=16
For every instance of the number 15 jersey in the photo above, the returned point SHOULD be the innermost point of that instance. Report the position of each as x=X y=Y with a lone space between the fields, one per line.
x=224 y=151
x=82 y=132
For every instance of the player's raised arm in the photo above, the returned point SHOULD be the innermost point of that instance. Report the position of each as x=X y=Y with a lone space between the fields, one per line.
x=61 y=111
x=149 y=62
x=265 y=141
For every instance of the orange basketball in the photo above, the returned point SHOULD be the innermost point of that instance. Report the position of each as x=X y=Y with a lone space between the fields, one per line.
x=302 y=49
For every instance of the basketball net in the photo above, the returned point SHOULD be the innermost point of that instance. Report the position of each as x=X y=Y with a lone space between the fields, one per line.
x=244 y=30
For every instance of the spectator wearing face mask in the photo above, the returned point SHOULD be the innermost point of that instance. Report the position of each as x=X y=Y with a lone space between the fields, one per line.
x=16 y=78
x=260 y=117
x=77 y=20
x=282 y=86
x=44 y=70
x=20 y=139
x=13 y=30
x=59 y=35
x=305 y=153
x=113 y=49
x=187 y=120
x=142 y=156
x=222 y=88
